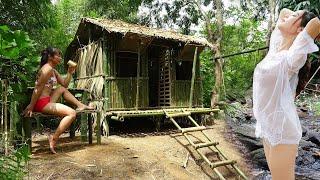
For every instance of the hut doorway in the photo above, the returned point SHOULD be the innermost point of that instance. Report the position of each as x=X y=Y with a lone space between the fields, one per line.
x=154 y=58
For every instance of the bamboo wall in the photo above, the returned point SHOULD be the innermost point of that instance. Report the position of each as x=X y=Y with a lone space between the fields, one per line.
x=181 y=93
x=120 y=92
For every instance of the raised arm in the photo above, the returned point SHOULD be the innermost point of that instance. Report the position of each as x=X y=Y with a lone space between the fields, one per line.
x=313 y=27
x=303 y=45
x=63 y=81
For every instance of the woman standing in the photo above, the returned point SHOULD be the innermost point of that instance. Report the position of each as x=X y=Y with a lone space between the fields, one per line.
x=45 y=95
x=274 y=89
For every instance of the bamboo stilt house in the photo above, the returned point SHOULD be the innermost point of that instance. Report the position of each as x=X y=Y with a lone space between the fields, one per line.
x=131 y=67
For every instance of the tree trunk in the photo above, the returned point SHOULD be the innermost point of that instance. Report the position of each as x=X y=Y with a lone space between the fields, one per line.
x=271 y=23
x=216 y=92
x=215 y=39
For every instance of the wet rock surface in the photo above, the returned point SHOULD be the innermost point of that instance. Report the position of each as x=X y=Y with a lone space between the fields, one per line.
x=241 y=121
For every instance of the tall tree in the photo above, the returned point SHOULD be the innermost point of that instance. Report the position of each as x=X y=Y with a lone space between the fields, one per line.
x=113 y=9
x=271 y=23
x=217 y=52
x=30 y=16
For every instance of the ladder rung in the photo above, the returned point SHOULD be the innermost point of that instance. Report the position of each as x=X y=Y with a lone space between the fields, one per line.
x=179 y=114
x=201 y=145
x=222 y=163
x=192 y=129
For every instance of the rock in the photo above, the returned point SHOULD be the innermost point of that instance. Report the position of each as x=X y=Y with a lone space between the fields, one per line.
x=305 y=158
x=302 y=112
x=316 y=165
x=306 y=144
x=304 y=133
x=251 y=144
x=307 y=173
x=246 y=135
x=259 y=157
x=314 y=137
x=264 y=175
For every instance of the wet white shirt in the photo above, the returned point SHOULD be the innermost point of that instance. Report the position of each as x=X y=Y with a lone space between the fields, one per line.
x=274 y=85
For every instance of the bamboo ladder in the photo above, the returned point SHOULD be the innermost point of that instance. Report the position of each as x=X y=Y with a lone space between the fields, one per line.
x=209 y=144
x=165 y=80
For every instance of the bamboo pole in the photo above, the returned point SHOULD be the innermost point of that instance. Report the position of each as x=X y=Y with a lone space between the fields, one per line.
x=98 y=132
x=84 y=119
x=193 y=76
x=138 y=74
x=13 y=119
x=5 y=114
x=2 y=107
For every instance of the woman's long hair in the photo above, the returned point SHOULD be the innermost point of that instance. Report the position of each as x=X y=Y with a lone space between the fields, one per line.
x=49 y=51
x=304 y=72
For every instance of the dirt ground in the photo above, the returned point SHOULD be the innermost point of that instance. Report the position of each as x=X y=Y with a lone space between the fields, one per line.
x=140 y=155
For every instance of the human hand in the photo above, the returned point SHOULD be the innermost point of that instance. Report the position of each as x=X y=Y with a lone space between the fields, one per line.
x=28 y=111
x=71 y=69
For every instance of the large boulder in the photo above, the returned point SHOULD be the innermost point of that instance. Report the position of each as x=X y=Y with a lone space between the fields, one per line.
x=259 y=157
x=247 y=136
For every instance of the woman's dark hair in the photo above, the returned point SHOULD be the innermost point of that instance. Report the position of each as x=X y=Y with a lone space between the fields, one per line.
x=49 y=51
x=304 y=72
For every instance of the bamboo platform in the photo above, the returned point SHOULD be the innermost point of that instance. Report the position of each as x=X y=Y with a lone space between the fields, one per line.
x=120 y=115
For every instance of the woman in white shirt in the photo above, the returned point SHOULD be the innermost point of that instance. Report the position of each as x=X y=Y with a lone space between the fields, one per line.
x=274 y=89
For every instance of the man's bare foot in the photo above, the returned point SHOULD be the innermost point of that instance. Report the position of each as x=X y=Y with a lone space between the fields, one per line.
x=85 y=107
x=52 y=144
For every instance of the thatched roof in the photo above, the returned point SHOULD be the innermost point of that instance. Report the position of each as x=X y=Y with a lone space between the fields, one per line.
x=117 y=26
x=124 y=28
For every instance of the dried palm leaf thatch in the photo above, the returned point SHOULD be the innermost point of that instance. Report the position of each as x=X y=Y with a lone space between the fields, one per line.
x=90 y=76
x=90 y=67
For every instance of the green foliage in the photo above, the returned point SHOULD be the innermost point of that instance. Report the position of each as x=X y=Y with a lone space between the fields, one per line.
x=125 y=10
x=207 y=74
x=68 y=13
x=246 y=34
x=311 y=5
x=181 y=13
x=28 y=15
x=259 y=8
x=18 y=63
x=13 y=166
x=67 y=18
x=238 y=70
x=310 y=101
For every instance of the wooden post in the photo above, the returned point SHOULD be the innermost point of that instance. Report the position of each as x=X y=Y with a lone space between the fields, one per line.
x=193 y=76
x=26 y=123
x=105 y=61
x=98 y=127
x=72 y=132
x=13 y=119
x=90 y=127
x=138 y=75
x=84 y=119
x=2 y=107
x=5 y=114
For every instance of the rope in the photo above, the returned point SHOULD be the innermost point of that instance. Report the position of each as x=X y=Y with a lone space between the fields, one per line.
x=240 y=53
